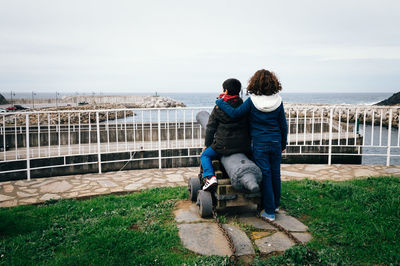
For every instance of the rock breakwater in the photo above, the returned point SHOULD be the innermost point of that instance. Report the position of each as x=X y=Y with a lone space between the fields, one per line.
x=126 y=101
x=343 y=113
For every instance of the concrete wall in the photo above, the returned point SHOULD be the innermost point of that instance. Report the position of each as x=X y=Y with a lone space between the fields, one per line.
x=72 y=134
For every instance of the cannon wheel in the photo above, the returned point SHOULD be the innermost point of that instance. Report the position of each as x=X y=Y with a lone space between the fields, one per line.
x=193 y=187
x=204 y=200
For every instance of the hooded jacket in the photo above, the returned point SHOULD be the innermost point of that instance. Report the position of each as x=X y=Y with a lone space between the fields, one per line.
x=227 y=135
x=266 y=117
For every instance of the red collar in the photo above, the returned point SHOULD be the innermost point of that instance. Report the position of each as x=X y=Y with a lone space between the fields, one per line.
x=228 y=97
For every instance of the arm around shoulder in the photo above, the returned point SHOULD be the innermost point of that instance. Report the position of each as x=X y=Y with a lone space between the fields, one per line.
x=242 y=110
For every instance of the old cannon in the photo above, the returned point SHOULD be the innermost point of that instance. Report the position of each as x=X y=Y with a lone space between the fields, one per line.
x=238 y=181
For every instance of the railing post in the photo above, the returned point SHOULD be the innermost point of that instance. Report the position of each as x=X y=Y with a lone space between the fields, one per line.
x=389 y=143
x=28 y=156
x=159 y=139
x=98 y=140
x=330 y=137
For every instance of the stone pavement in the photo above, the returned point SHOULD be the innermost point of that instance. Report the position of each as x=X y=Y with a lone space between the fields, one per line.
x=38 y=190
x=245 y=229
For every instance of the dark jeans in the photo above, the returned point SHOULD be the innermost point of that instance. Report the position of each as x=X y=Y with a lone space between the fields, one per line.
x=206 y=161
x=268 y=157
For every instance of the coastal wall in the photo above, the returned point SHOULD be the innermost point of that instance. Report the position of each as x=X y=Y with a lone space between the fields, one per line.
x=126 y=101
x=371 y=113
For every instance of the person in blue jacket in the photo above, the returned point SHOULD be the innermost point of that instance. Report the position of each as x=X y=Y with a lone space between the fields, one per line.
x=268 y=130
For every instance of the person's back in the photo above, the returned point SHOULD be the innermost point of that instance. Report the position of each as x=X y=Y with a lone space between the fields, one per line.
x=224 y=135
x=228 y=135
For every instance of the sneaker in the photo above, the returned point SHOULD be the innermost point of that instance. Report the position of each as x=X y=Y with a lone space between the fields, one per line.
x=277 y=210
x=270 y=217
x=210 y=182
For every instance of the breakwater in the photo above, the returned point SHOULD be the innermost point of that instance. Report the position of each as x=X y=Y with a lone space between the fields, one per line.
x=126 y=101
x=352 y=113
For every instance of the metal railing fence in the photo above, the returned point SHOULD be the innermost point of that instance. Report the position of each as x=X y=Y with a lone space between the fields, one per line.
x=313 y=130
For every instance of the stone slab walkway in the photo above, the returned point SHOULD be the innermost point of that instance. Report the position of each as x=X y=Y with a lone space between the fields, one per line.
x=203 y=236
x=13 y=193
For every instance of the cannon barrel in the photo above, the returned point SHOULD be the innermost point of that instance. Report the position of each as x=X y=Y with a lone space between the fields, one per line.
x=243 y=173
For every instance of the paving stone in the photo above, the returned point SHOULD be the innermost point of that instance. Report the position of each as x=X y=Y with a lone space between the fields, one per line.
x=240 y=240
x=116 y=189
x=8 y=188
x=4 y=197
x=24 y=183
x=21 y=194
x=56 y=187
x=316 y=167
x=187 y=212
x=363 y=173
x=107 y=183
x=290 y=223
x=70 y=195
x=9 y=203
x=29 y=190
x=278 y=242
x=303 y=237
x=392 y=170
x=42 y=183
x=204 y=238
x=28 y=200
x=49 y=196
x=175 y=178
x=99 y=190
x=255 y=222
x=134 y=186
x=294 y=174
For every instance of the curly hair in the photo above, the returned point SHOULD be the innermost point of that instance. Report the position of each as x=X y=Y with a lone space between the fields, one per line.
x=264 y=82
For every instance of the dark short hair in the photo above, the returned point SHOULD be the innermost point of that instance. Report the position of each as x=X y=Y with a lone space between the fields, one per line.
x=264 y=82
x=233 y=86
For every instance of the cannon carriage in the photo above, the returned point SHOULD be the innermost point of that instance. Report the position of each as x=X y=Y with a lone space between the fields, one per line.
x=241 y=170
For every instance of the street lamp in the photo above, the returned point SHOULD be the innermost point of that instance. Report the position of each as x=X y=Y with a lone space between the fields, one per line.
x=33 y=100
x=12 y=94
x=57 y=94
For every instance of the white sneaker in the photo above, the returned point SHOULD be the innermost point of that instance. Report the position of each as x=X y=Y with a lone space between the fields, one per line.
x=210 y=182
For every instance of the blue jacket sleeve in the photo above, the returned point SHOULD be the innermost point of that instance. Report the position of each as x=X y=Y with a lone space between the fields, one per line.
x=242 y=110
x=284 y=128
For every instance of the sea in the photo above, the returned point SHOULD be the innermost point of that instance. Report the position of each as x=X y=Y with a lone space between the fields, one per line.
x=208 y=99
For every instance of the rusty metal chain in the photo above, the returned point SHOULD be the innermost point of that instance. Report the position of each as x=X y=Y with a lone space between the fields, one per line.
x=289 y=234
x=234 y=257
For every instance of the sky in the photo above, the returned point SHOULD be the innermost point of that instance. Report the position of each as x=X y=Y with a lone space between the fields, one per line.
x=193 y=46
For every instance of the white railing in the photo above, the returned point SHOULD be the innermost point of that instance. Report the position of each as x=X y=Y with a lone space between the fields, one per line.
x=313 y=130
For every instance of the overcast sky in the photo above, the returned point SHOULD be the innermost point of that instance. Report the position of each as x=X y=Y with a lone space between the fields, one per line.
x=193 y=46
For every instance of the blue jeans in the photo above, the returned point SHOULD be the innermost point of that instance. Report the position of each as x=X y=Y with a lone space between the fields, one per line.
x=206 y=161
x=268 y=157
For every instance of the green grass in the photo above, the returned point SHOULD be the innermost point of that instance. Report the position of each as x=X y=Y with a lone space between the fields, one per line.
x=352 y=222
x=110 y=230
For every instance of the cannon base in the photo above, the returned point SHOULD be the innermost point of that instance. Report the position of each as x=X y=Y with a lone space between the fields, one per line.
x=223 y=196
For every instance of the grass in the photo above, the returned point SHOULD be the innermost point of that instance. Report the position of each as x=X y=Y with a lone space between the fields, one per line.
x=352 y=222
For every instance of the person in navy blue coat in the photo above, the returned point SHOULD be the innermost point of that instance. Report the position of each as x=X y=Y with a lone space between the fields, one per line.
x=268 y=131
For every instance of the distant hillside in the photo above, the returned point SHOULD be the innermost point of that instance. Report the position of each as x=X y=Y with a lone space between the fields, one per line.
x=2 y=99
x=392 y=100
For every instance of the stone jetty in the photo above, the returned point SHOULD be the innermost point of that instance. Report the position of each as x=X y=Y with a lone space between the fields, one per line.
x=126 y=101
x=345 y=112
x=93 y=103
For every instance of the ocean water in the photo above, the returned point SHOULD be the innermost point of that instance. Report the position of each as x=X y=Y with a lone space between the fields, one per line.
x=208 y=99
